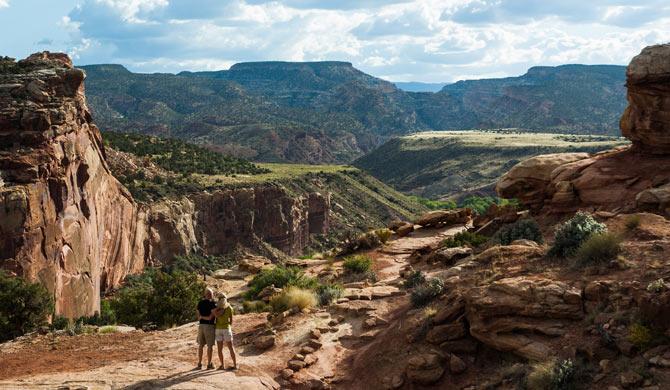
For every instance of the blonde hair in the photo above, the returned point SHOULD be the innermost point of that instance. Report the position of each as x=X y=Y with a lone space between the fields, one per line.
x=209 y=292
x=223 y=301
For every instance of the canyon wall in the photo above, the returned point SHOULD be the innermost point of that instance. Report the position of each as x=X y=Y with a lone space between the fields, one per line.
x=66 y=222
x=64 y=219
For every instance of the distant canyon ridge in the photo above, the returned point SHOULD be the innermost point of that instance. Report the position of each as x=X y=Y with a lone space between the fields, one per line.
x=331 y=112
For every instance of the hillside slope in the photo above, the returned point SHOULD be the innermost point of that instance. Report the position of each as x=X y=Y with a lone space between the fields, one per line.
x=330 y=112
x=456 y=163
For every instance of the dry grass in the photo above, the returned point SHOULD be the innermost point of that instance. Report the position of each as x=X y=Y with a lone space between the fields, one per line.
x=293 y=297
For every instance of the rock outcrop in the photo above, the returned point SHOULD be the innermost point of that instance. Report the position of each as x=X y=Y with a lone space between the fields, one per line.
x=625 y=179
x=64 y=219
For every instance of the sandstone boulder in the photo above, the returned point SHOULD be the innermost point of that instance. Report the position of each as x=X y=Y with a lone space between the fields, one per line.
x=528 y=180
x=265 y=342
x=520 y=314
x=441 y=218
x=405 y=229
x=448 y=256
x=425 y=369
x=646 y=120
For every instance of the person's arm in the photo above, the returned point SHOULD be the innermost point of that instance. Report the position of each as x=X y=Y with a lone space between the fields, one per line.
x=197 y=315
x=217 y=312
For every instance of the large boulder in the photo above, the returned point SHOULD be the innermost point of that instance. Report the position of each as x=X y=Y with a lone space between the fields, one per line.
x=522 y=314
x=441 y=218
x=646 y=121
x=425 y=369
x=528 y=180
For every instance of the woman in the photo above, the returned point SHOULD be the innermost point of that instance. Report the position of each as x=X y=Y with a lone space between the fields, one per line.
x=224 y=332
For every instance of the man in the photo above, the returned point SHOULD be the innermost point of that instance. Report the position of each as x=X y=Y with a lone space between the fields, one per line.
x=206 y=333
x=224 y=331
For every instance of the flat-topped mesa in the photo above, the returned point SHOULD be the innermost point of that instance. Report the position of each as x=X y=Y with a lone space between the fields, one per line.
x=64 y=219
x=646 y=121
x=624 y=179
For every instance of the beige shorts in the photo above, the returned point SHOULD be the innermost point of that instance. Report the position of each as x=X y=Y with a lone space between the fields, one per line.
x=206 y=334
x=224 y=335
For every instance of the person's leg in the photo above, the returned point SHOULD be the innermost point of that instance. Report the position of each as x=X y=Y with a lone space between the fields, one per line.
x=201 y=345
x=219 y=350
x=210 y=336
x=233 y=355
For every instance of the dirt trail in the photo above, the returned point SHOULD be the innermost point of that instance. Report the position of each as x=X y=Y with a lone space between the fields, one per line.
x=165 y=359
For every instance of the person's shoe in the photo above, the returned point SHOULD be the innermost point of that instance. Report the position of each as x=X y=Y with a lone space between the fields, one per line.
x=210 y=366
x=198 y=367
x=221 y=367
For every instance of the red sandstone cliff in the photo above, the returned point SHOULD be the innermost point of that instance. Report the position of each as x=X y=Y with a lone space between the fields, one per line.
x=64 y=219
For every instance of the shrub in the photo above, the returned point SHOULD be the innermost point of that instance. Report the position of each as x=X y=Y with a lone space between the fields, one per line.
x=255 y=307
x=59 y=323
x=427 y=291
x=293 y=297
x=633 y=222
x=328 y=293
x=656 y=286
x=435 y=204
x=571 y=234
x=465 y=238
x=383 y=234
x=280 y=277
x=414 y=279
x=24 y=306
x=163 y=299
x=108 y=329
x=357 y=264
x=105 y=316
x=552 y=375
x=523 y=229
x=480 y=204
x=640 y=335
x=599 y=248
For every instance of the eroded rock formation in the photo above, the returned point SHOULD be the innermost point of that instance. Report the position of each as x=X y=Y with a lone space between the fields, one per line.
x=64 y=219
x=625 y=179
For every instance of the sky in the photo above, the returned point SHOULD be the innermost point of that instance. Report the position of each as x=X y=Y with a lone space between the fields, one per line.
x=398 y=40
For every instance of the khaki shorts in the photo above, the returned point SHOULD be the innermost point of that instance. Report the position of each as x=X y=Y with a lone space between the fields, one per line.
x=206 y=334
x=224 y=335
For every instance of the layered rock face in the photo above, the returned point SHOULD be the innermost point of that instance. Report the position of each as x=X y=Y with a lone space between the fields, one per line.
x=625 y=179
x=64 y=219
x=216 y=222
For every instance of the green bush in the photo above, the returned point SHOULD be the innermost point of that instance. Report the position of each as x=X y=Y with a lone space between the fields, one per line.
x=255 y=307
x=640 y=335
x=571 y=234
x=59 y=322
x=480 y=204
x=523 y=229
x=357 y=264
x=24 y=306
x=328 y=293
x=599 y=248
x=106 y=315
x=163 y=299
x=414 y=279
x=383 y=234
x=427 y=291
x=465 y=238
x=280 y=277
x=435 y=204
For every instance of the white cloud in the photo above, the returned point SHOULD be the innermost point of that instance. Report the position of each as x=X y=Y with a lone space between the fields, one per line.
x=423 y=40
x=4 y=3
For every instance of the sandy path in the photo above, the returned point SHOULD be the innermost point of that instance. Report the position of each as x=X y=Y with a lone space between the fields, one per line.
x=165 y=359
